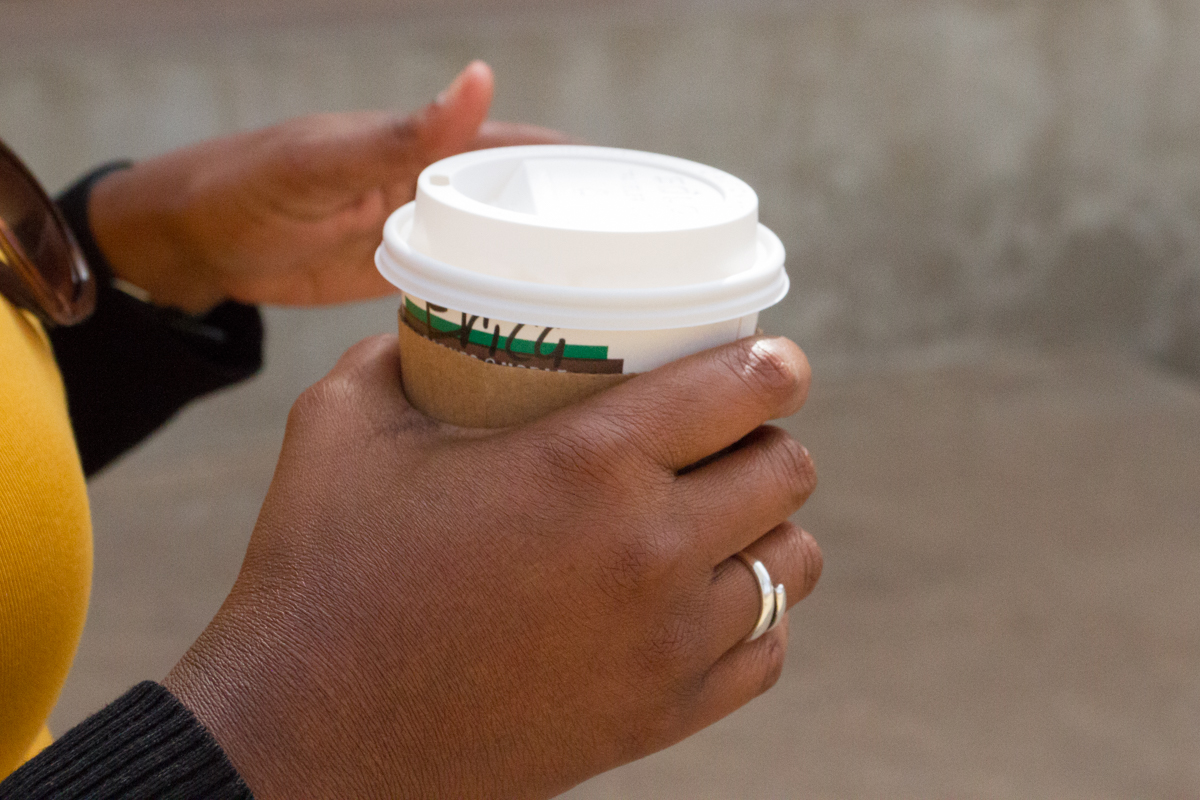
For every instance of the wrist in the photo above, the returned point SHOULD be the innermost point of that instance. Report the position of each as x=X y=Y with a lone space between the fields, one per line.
x=135 y=225
x=281 y=700
x=216 y=682
x=258 y=690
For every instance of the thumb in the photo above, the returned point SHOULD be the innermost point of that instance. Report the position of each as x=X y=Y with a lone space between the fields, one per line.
x=450 y=123
x=399 y=150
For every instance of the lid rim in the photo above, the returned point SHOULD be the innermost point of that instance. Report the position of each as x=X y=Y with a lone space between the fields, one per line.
x=657 y=308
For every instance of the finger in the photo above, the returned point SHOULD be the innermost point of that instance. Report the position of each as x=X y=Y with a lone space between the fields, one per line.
x=691 y=408
x=751 y=489
x=741 y=675
x=791 y=556
x=509 y=134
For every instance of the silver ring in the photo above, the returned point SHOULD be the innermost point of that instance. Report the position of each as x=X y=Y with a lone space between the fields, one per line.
x=780 y=606
x=767 y=612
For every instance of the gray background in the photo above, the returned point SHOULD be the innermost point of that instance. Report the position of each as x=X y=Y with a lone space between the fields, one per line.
x=990 y=210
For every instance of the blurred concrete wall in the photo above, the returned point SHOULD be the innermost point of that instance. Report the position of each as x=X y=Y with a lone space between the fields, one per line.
x=943 y=172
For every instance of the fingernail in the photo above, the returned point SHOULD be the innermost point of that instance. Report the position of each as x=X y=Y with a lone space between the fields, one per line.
x=769 y=344
x=771 y=351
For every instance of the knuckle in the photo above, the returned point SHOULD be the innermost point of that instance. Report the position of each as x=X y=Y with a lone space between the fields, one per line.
x=637 y=561
x=313 y=403
x=327 y=400
x=401 y=128
x=402 y=132
x=581 y=454
x=793 y=469
x=636 y=426
x=600 y=453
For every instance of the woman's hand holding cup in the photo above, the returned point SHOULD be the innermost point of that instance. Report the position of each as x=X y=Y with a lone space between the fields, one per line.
x=431 y=611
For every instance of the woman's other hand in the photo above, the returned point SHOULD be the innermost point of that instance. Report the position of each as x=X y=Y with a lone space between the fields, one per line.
x=290 y=214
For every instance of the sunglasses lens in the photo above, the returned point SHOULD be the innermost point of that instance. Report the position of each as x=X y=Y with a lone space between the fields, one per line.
x=40 y=248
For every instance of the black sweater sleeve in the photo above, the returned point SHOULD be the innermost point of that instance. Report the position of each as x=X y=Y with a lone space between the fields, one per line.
x=132 y=365
x=144 y=746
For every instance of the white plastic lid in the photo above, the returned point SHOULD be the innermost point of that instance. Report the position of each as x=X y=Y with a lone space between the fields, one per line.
x=586 y=238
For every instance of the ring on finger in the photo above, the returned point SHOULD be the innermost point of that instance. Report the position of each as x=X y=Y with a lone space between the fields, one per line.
x=780 y=606
x=773 y=598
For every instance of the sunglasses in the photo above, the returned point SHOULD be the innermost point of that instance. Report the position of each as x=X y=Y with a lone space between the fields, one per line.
x=41 y=267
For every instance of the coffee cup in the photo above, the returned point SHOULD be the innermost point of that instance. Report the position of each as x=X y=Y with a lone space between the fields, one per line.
x=534 y=276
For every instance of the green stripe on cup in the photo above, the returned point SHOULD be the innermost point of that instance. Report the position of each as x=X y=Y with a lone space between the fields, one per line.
x=522 y=346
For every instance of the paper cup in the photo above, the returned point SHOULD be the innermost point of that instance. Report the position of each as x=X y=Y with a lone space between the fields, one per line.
x=534 y=276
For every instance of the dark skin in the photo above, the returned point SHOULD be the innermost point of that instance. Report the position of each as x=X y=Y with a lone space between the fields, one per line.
x=429 y=611
x=292 y=214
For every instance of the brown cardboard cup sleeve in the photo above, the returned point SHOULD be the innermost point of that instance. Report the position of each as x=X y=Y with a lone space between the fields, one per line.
x=454 y=387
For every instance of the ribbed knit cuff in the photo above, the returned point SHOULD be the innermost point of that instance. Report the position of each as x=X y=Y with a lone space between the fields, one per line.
x=144 y=746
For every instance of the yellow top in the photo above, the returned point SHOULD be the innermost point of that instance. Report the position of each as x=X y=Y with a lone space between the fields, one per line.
x=45 y=538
